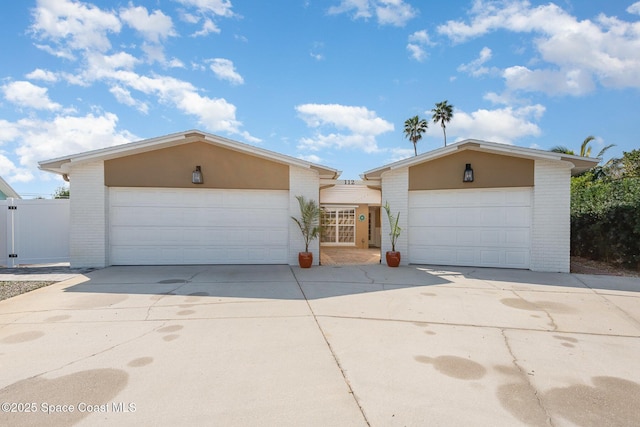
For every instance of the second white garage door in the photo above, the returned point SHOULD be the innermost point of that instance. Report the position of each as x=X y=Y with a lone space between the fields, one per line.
x=198 y=226
x=480 y=227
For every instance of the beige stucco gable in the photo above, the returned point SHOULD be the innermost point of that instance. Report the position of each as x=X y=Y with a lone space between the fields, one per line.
x=172 y=167
x=490 y=171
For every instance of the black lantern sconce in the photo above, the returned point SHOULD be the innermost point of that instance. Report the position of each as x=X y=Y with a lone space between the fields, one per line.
x=196 y=176
x=468 y=174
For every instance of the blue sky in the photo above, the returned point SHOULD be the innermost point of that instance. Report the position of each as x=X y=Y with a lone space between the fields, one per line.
x=328 y=81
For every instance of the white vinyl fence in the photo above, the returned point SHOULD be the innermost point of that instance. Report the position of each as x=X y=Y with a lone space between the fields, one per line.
x=34 y=231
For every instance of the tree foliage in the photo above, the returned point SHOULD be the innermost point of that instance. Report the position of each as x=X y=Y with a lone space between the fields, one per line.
x=61 y=192
x=309 y=221
x=605 y=212
x=395 y=230
x=414 y=127
x=585 y=148
x=442 y=113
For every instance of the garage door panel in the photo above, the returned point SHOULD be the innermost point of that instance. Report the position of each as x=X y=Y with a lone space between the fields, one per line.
x=517 y=237
x=199 y=226
x=470 y=227
x=488 y=216
x=519 y=216
x=488 y=237
x=516 y=258
x=489 y=256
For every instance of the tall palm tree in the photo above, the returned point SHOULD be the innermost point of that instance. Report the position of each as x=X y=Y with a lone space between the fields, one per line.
x=414 y=127
x=443 y=114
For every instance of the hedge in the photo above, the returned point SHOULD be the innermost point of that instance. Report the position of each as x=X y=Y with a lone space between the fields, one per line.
x=605 y=220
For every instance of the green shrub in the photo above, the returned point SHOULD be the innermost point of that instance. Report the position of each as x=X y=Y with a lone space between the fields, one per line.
x=605 y=219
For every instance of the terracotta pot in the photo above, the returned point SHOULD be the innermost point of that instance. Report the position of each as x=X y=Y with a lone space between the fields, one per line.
x=393 y=258
x=305 y=259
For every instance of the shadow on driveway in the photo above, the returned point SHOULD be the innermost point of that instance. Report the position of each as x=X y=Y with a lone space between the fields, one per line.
x=255 y=281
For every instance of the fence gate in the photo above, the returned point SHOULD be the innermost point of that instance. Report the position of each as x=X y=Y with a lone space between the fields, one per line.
x=34 y=231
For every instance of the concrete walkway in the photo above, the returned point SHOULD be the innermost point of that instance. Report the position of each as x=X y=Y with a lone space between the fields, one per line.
x=350 y=345
x=336 y=255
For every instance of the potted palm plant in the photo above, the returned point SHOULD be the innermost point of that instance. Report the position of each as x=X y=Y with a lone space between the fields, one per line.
x=393 y=257
x=309 y=223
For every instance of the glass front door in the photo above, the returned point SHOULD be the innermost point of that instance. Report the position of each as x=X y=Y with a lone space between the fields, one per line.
x=338 y=226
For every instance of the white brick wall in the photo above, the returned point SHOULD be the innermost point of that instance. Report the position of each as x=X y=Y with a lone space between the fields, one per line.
x=88 y=240
x=305 y=182
x=395 y=190
x=551 y=231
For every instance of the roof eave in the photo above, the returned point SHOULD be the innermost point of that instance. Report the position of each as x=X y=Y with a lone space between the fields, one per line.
x=8 y=190
x=580 y=164
x=61 y=165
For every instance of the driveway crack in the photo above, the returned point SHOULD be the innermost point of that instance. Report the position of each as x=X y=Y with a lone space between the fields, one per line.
x=608 y=301
x=525 y=377
x=333 y=354
x=73 y=362
x=542 y=309
x=171 y=292
x=366 y=274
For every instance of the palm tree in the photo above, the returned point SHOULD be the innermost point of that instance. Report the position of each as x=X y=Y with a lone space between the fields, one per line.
x=562 y=149
x=585 y=148
x=443 y=114
x=414 y=127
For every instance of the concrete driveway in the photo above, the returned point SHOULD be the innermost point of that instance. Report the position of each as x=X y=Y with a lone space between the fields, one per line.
x=329 y=346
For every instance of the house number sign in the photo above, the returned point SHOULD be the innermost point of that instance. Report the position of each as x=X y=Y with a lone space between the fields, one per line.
x=362 y=217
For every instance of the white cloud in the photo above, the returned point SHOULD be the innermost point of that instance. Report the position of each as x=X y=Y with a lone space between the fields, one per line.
x=310 y=158
x=476 y=67
x=14 y=173
x=316 y=51
x=123 y=96
x=504 y=125
x=394 y=12
x=208 y=9
x=208 y=27
x=225 y=70
x=74 y=25
x=573 y=82
x=634 y=8
x=362 y=126
x=421 y=37
x=8 y=131
x=356 y=119
x=26 y=94
x=154 y=27
x=417 y=52
x=154 y=53
x=362 y=8
x=188 y=17
x=216 y=7
x=59 y=53
x=387 y=12
x=417 y=43
x=400 y=154
x=36 y=140
x=213 y=114
x=577 y=52
x=176 y=63
x=44 y=75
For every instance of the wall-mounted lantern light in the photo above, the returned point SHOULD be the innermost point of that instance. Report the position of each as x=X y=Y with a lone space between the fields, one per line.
x=196 y=176
x=468 y=174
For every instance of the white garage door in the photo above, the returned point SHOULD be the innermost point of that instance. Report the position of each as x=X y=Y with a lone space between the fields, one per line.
x=199 y=226
x=486 y=228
